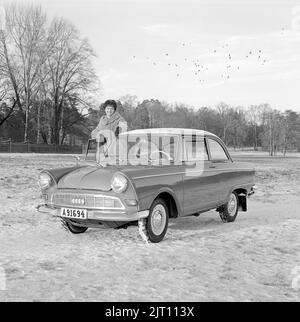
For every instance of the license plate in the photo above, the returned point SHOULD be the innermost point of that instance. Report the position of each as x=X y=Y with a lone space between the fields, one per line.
x=73 y=213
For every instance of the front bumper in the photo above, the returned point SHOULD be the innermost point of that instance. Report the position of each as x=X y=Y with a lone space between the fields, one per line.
x=99 y=215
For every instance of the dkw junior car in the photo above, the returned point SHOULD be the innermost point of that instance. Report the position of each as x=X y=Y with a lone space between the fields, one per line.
x=148 y=177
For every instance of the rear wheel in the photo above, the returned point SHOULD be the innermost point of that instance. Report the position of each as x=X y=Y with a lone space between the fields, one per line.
x=154 y=228
x=229 y=211
x=74 y=229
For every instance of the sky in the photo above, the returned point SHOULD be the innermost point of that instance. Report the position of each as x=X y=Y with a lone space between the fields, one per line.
x=194 y=52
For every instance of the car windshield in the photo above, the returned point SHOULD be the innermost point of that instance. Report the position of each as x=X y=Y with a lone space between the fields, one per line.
x=135 y=149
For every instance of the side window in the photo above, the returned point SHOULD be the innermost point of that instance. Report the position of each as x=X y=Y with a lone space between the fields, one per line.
x=216 y=151
x=169 y=145
x=195 y=150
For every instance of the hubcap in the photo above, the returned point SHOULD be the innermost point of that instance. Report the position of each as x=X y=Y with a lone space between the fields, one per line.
x=158 y=219
x=232 y=204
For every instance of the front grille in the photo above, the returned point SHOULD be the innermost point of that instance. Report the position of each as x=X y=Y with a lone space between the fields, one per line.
x=86 y=201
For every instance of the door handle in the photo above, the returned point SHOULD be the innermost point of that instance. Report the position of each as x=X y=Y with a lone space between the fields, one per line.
x=212 y=166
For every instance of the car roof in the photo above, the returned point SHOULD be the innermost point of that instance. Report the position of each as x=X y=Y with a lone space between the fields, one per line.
x=174 y=131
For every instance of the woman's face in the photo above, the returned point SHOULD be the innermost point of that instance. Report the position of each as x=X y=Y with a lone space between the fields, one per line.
x=109 y=110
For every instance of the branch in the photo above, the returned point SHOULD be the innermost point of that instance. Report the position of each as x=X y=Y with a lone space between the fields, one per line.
x=4 y=119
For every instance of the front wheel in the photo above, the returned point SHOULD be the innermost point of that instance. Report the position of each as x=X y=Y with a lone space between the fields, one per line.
x=156 y=224
x=74 y=229
x=229 y=211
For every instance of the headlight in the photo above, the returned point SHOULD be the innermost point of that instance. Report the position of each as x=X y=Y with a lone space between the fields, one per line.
x=119 y=183
x=45 y=180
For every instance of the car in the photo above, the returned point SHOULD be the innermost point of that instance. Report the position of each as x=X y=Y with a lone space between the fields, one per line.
x=150 y=177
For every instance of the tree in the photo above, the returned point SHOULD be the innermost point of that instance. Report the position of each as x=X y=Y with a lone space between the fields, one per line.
x=141 y=120
x=253 y=115
x=24 y=49
x=73 y=122
x=208 y=120
x=70 y=71
x=6 y=111
x=225 y=116
x=291 y=130
x=237 y=131
x=128 y=104
x=44 y=64
x=272 y=134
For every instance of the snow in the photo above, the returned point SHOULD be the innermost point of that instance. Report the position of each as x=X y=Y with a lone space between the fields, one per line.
x=200 y=259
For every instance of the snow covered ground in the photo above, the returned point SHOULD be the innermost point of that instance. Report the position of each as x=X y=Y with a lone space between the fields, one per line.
x=201 y=259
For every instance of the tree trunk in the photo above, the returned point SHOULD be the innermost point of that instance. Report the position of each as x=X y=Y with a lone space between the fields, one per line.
x=49 y=133
x=38 y=124
x=61 y=132
x=56 y=126
x=270 y=140
x=26 y=125
x=44 y=137
x=255 y=138
x=284 y=144
x=49 y=126
x=63 y=136
x=26 y=119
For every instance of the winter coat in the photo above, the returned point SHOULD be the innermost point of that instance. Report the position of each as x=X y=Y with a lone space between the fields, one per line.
x=116 y=124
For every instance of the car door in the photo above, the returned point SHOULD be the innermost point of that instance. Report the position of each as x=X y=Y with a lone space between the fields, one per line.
x=221 y=165
x=198 y=182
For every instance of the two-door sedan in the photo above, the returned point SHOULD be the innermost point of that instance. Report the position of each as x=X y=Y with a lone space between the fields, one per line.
x=146 y=177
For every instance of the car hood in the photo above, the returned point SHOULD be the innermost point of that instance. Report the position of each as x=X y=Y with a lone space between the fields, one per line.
x=90 y=177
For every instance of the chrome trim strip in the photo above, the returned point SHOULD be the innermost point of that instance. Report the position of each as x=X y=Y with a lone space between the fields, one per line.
x=97 y=215
x=174 y=173
x=83 y=195
x=45 y=209
x=108 y=212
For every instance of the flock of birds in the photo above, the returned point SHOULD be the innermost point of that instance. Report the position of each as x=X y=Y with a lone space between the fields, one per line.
x=203 y=71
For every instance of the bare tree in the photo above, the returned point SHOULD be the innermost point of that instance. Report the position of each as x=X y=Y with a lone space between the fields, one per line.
x=272 y=122
x=225 y=116
x=254 y=114
x=6 y=110
x=25 y=50
x=291 y=130
x=70 y=71
x=237 y=130
x=7 y=73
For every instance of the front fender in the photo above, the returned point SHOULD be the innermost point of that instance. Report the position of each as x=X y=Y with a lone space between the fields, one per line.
x=146 y=199
x=58 y=173
x=172 y=193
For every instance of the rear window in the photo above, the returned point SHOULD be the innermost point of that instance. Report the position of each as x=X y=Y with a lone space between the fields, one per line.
x=216 y=151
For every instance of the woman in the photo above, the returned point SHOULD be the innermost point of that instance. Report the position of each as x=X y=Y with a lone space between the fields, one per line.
x=112 y=121
x=110 y=126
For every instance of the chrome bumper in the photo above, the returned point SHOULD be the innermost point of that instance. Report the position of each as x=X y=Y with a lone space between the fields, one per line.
x=99 y=215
